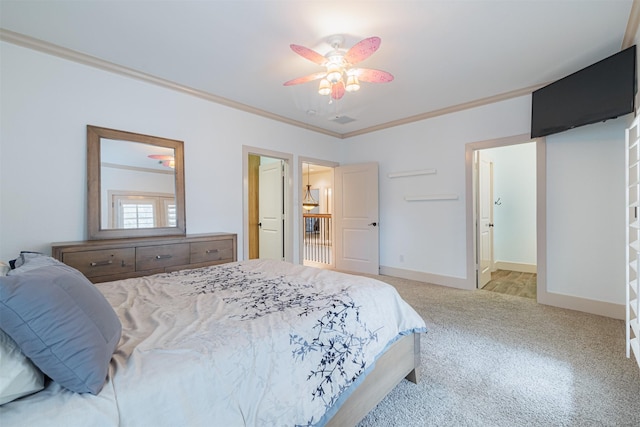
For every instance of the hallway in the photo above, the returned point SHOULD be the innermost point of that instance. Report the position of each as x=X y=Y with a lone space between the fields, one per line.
x=513 y=283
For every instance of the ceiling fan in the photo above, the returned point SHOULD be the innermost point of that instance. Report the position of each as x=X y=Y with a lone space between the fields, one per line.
x=167 y=161
x=340 y=76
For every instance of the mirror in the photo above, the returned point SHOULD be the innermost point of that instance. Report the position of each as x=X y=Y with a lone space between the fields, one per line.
x=135 y=185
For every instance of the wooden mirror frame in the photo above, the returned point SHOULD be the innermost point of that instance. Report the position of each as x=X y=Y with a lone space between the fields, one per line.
x=94 y=136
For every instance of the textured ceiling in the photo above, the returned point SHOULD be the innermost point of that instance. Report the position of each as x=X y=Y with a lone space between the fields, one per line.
x=443 y=54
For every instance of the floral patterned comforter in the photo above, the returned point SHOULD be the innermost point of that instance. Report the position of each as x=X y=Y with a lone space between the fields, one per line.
x=255 y=343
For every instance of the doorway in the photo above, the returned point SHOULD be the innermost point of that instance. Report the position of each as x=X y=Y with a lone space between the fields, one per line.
x=318 y=219
x=269 y=235
x=353 y=203
x=507 y=217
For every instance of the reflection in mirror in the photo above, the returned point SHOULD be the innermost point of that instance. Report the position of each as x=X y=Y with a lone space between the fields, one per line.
x=137 y=184
x=138 y=189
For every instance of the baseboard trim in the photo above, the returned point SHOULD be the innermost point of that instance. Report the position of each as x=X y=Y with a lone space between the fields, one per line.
x=516 y=266
x=436 y=279
x=586 y=305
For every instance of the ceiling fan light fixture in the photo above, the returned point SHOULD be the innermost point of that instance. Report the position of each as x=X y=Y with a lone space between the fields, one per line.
x=325 y=87
x=340 y=76
x=164 y=160
x=334 y=73
x=352 y=84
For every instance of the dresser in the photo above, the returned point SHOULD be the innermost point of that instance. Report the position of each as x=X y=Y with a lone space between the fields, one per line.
x=107 y=260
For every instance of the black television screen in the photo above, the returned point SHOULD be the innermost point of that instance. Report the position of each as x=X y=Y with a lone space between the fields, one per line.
x=602 y=91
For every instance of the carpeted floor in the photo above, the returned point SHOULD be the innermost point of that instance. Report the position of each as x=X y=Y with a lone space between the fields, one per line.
x=491 y=359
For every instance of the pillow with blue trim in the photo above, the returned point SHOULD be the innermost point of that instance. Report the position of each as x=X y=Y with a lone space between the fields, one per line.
x=62 y=323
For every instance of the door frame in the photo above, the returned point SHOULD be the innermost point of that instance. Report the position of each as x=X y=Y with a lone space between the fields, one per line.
x=288 y=198
x=301 y=184
x=541 y=208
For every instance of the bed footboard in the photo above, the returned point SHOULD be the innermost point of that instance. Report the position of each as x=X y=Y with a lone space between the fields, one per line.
x=401 y=360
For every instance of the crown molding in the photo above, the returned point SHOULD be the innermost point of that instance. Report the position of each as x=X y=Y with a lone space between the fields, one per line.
x=448 y=110
x=92 y=61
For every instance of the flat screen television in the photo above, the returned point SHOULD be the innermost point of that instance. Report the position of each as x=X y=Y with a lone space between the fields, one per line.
x=601 y=91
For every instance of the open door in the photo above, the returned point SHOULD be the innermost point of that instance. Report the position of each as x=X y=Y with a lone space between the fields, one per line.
x=356 y=213
x=485 y=219
x=271 y=211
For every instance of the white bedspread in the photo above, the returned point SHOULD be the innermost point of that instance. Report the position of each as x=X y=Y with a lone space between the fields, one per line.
x=255 y=343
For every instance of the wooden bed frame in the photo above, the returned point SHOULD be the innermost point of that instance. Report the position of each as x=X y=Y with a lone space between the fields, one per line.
x=401 y=360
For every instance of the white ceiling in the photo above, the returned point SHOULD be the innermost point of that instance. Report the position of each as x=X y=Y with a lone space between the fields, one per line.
x=443 y=54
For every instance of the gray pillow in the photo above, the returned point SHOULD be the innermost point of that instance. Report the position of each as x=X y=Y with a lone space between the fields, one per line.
x=30 y=261
x=62 y=323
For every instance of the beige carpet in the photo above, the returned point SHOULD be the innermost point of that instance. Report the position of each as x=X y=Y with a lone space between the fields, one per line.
x=491 y=359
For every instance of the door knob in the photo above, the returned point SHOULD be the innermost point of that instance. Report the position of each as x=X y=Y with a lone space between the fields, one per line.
x=373 y=223
x=490 y=224
x=260 y=224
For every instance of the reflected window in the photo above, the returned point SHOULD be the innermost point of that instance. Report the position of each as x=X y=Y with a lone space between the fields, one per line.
x=136 y=215
x=142 y=210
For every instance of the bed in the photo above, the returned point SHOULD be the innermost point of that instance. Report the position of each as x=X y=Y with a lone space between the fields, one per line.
x=255 y=343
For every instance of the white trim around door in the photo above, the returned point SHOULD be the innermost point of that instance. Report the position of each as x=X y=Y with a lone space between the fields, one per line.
x=288 y=199
x=541 y=212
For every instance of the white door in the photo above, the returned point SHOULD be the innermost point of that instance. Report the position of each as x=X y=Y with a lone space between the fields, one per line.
x=271 y=210
x=485 y=219
x=356 y=213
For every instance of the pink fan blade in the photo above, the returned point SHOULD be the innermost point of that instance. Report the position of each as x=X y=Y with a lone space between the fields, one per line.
x=305 y=79
x=160 y=157
x=309 y=54
x=362 y=50
x=373 y=76
x=337 y=90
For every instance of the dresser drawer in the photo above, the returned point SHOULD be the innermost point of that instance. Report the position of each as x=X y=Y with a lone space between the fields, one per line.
x=116 y=259
x=214 y=250
x=150 y=257
x=102 y=262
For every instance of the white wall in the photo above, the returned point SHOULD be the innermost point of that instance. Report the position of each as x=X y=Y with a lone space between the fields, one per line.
x=514 y=173
x=585 y=178
x=585 y=212
x=46 y=104
x=431 y=236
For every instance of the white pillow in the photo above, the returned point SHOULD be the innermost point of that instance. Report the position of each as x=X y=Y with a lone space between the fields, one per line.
x=18 y=376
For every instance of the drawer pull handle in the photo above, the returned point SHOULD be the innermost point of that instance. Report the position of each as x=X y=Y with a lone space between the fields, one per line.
x=101 y=263
x=212 y=251
x=163 y=256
